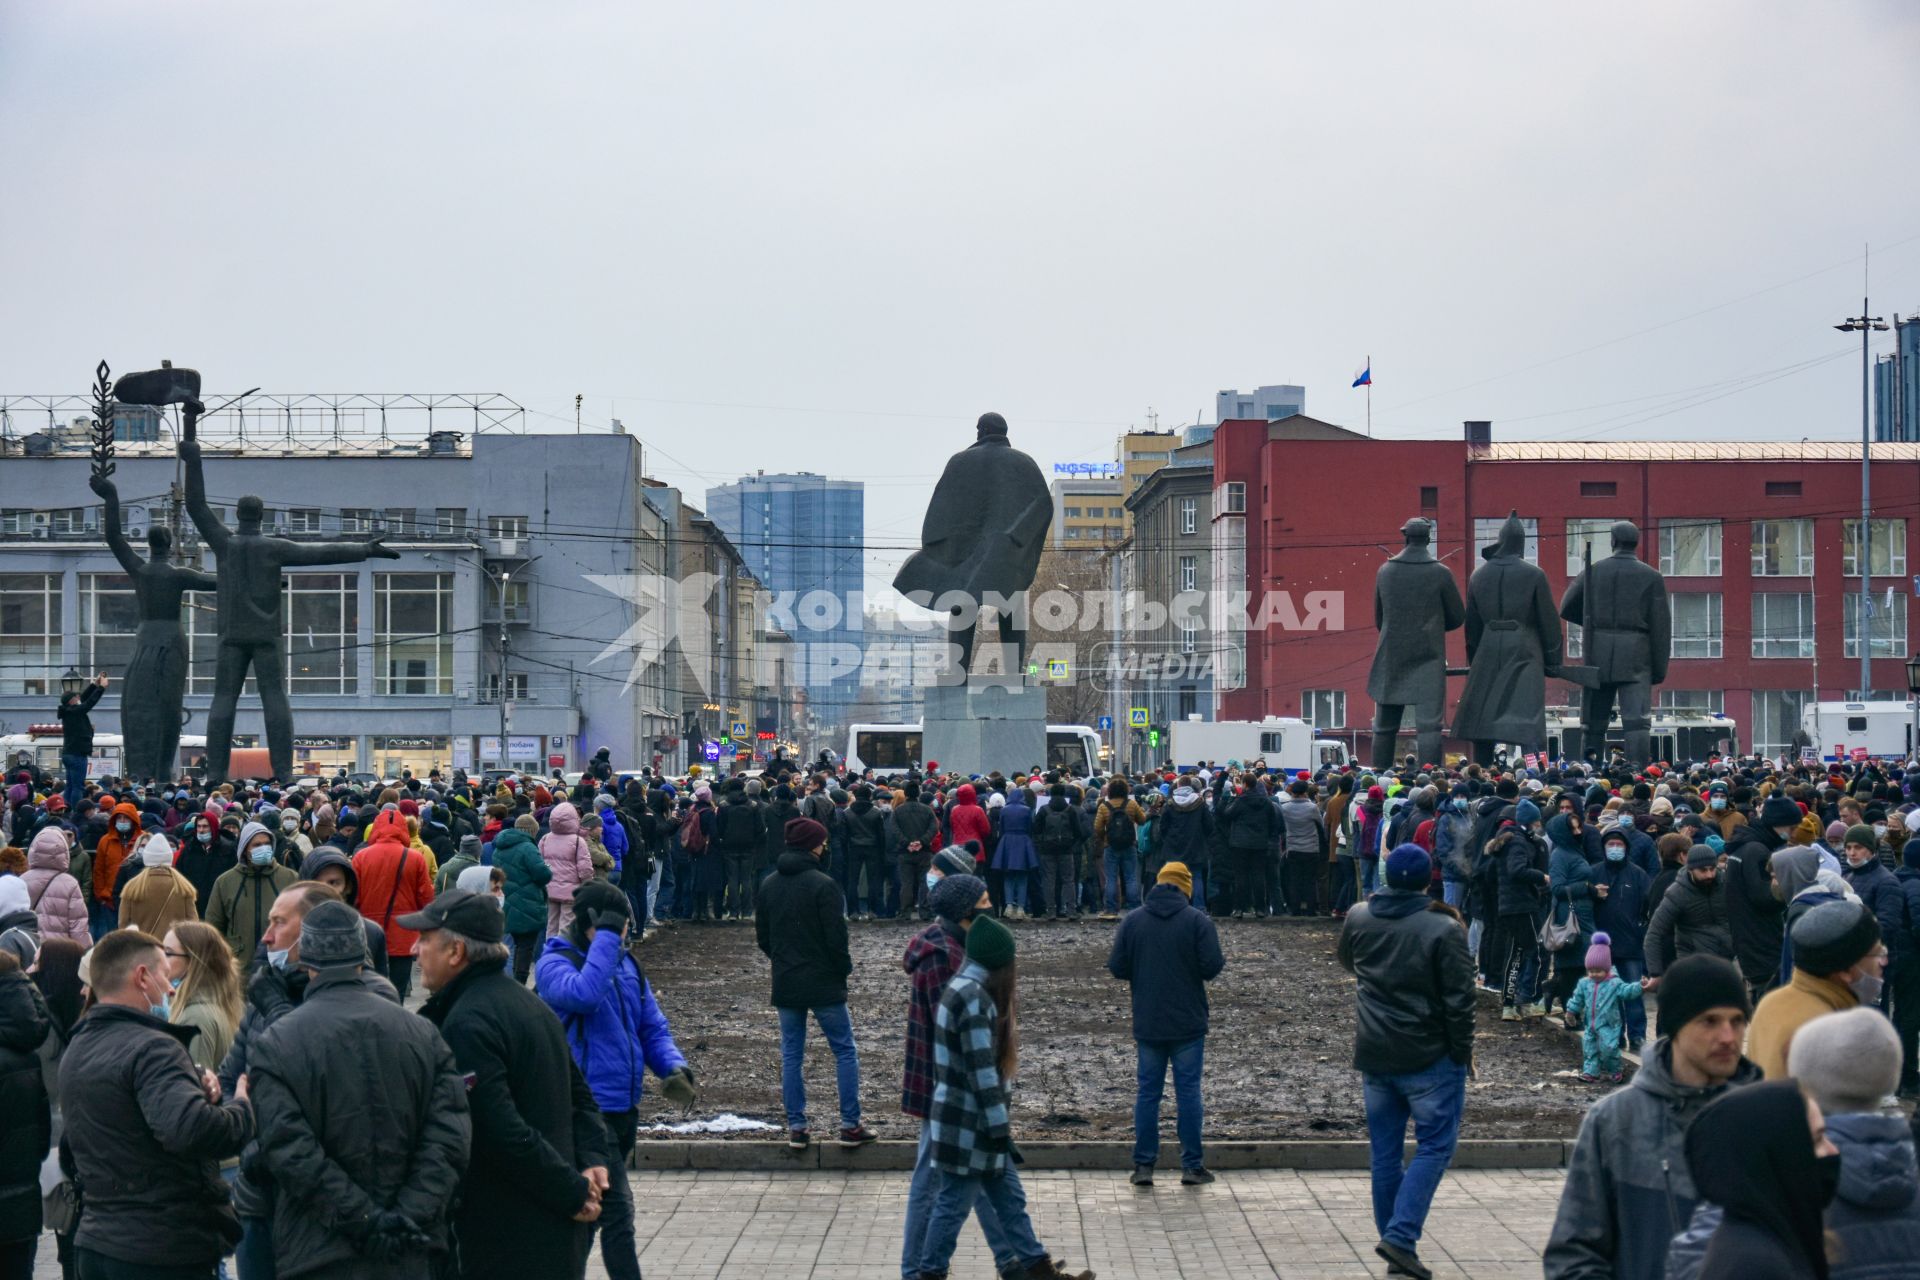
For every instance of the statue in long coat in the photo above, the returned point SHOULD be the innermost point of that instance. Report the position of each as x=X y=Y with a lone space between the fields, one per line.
x=1513 y=641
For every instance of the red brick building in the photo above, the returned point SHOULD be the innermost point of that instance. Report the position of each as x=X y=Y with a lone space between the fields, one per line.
x=1756 y=541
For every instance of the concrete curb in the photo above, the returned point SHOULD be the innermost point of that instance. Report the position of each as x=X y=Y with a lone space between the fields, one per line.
x=774 y=1157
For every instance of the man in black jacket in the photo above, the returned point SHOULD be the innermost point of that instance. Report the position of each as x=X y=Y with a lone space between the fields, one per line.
x=363 y=1118
x=741 y=833
x=799 y=924
x=1168 y=952
x=76 y=736
x=146 y=1128
x=1414 y=1043
x=1060 y=830
x=913 y=830
x=1756 y=918
x=540 y=1149
x=24 y=1024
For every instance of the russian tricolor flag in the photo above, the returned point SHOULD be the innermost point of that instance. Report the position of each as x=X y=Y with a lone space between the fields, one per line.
x=1363 y=376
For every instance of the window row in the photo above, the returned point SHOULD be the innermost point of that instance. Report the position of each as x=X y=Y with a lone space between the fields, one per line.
x=1690 y=548
x=1782 y=625
x=412 y=622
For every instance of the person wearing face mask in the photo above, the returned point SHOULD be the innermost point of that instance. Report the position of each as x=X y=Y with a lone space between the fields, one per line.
x=1838 y=963
x=294 y=844
x=1762 y=1154
x=244 y=894
x=157 y=896
x=1881 y=891
x=205 y=855
x=1691 y=918
x=1520 y=859
x=115 y=847
x=146 y=1129
x=1620 y=909
x=1755 y=914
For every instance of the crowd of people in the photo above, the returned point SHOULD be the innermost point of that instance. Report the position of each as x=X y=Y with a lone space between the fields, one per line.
x=235 y=964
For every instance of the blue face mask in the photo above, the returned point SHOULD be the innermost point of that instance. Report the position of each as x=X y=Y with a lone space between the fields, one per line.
x=161 y=1010
x=1460 y=806
x=1616 y=854
x=278 y=959
x=932 y=879
x=1717 y=803
x=261 y=856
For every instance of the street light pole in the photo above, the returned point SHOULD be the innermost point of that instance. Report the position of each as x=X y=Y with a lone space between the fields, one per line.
x=1866 y=324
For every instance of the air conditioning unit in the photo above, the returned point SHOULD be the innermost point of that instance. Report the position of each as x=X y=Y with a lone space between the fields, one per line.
x=507 y=546
x=41 y=523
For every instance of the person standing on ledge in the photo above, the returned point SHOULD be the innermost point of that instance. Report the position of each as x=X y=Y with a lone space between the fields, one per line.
x=76 y=737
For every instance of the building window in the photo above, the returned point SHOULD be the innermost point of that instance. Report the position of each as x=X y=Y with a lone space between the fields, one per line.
x=412 y=652
x=400 y=521
x=1598 y=488
x=1889 y=549
x=1324 y=708
x=1782 y=624
x=109 y=615
x=1189 y=574
x=1486 y=532
x=1689 y=548
x=506 y=526
x=1189 y=514
x=1235 y=503
x=19 y=522
x=69 y=521
x=1116 y=513
x=30 y=633
x=1782 y=548
x=516 y=686
x=1588 y=535
x=1573 y=640
x=356 y=520
x=450 y=522
x=1783 y=488
x=1189 y=701
x=1886 y=624
x=1776 y=719
x=323 y=632
x=1697 y=627
x=516 y=609
x=1189 y=633
x=1429 y=496
x=303 y=520
x=1712 y=701
x=1071 y=513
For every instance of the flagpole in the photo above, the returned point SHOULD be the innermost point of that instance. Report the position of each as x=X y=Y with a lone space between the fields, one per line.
x=1369 y=397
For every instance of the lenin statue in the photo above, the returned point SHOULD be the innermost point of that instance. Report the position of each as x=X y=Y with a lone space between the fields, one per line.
x=1513 y=641
x=1621 y=604
x=1415 y=603
x=985 y=529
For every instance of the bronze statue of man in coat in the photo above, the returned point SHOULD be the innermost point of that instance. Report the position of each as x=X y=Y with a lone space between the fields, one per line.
x=1415 y=603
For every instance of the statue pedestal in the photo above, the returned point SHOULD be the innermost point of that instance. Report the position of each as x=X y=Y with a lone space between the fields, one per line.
x=985 y=724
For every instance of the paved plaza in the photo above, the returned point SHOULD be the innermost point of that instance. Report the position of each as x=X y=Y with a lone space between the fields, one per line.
x=1250 y=1225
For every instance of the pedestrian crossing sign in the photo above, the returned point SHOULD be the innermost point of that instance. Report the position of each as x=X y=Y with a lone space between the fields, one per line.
x=1136 y=717
x=739 y=728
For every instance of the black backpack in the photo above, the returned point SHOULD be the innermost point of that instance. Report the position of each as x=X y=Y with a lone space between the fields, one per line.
x=736 y=814
x=1120 y=834
x=1055 y=829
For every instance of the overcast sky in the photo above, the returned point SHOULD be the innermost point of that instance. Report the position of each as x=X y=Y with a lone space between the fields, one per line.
x=827 y=236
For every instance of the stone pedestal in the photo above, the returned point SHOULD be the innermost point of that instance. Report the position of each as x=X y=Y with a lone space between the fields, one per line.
x=985 y=724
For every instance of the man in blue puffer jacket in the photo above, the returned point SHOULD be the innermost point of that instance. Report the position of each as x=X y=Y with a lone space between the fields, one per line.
x=617 y=1033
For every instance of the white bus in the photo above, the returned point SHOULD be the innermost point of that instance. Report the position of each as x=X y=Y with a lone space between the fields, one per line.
x=44 y=750
x=1682 y=734
x=890 y=749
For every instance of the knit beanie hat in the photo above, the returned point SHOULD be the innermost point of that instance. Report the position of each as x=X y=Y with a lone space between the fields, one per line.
x=1836 y=834
x=1848 y=1061
x=1696 y=983
x=989 y=943
x=156 y=852
x=470 y=847
x=527 y=823
x=1702 y=856
x=1526 y=813
x=954 y=897
x=1831 y=937
x=332 y=936
x=804 y=834
x=1408 y=867
x=1779 y=811
x=1177 y=875
x=951 y=862
x=1859 y=834
x=1600 y=954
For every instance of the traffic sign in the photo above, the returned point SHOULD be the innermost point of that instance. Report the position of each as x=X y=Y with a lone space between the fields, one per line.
x=739 y=728
x=711 y=751
x=1136 y=717
x=1105 y=724
x=1057 y=668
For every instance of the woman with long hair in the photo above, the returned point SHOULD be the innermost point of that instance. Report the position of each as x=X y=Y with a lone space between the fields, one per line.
x=1762 y=1154
x=207 y=993
x=976 y=1050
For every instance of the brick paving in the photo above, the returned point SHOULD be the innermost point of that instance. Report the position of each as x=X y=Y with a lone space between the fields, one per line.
x=1270 y=1224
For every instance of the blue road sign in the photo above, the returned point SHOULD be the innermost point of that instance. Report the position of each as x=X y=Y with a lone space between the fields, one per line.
x=1106 y=722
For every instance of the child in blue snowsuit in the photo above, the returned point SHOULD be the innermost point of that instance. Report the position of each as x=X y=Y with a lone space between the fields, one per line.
x=1598 y=1009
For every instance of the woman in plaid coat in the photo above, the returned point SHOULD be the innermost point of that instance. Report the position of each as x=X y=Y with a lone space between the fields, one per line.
x=969 y=1139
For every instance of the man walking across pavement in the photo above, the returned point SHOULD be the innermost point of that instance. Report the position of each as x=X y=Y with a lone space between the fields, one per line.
x=1168 y=952
x=1628 y=1191
x=146 y=1128
x=363 y=1118
x=1413 y=1045
x=540 y=1152
x=798 y=923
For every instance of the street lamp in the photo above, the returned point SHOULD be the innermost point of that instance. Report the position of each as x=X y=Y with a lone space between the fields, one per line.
x=71 y=683
x=1866 y=325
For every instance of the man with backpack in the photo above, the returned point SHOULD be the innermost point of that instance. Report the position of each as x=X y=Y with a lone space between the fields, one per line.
x=1059 y=830
x=1115 y=833
x=915 y=835
x=741 y=833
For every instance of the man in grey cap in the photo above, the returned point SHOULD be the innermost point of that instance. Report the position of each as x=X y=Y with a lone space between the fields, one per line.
x=540 y=1148
x=364 y=1122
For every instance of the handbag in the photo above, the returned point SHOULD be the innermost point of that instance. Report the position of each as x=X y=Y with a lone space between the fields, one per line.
x=1558 y=937
x=62 y=1207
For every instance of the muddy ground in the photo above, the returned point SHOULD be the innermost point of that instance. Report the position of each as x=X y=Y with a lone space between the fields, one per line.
x=1278 y=1057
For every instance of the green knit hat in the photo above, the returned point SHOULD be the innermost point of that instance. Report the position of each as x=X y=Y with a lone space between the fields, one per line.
x=989 y=943
x=1862 y=835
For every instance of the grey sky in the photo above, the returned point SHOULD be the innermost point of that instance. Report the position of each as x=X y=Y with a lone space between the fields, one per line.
x=877 y=220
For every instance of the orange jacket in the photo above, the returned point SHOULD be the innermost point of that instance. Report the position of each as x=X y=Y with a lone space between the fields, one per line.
x=393 y=881
x=112 y=851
